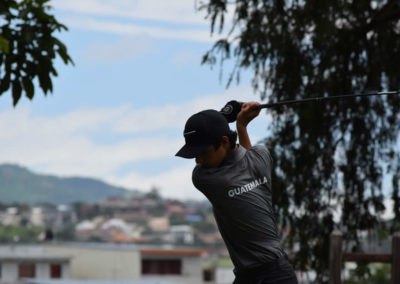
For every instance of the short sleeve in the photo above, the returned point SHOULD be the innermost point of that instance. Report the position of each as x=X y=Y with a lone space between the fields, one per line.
x=264 y=154
x=200 y=181
x=196 y=179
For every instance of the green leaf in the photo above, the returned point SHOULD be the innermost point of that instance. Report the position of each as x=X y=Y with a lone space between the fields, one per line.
x=324 y=154
x=4 y=45
x=16 y=91
x=62 y=51
x=28 y=87
x=45 y=82
x=5 y=83
x=34 y=36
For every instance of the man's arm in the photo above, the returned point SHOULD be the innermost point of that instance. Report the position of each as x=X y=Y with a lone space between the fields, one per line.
x=248 y=113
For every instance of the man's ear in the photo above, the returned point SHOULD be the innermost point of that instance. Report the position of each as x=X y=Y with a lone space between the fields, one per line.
x=225 y=141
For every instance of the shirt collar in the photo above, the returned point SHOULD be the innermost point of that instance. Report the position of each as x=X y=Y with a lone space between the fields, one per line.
x=235 y=155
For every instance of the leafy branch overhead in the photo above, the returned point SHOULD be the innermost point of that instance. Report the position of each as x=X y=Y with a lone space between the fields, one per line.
x=28 y=47
x=336 y=162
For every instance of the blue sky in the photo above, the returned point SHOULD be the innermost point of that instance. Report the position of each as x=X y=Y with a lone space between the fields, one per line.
x=118 y=114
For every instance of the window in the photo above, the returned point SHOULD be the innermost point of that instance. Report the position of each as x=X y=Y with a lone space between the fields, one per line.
x=208 y=275
x=161 y=266
x=26 y=270
x=55 y=271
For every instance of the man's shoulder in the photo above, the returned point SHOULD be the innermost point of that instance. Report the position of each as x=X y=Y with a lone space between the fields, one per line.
x=260 y=152
x=259 y=149
x=202 y=176
x=201 y=172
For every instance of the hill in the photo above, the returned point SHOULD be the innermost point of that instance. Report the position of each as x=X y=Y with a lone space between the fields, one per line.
x=18 y=184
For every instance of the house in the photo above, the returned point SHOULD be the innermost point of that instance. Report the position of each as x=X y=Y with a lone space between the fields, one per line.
x=16 y=264
x=10 y=217
x=41 y=281
x=181 y=234
x=51 y=216
x=159 y=224
x=108 y=261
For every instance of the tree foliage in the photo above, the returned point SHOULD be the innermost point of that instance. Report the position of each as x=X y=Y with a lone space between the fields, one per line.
x=10 y=234
x=329 y=157
x=28 y=47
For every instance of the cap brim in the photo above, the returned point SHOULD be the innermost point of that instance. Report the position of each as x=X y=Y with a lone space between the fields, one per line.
x=190 y=152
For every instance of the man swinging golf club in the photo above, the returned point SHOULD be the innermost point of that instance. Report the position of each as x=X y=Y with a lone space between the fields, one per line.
x=236 y=179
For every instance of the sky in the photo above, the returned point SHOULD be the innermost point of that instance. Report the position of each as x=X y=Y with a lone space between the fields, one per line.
x=118 y=114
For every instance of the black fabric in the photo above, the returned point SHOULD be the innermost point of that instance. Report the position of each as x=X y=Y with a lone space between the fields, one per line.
x=240 y=193
x=277 y=272
x=202 y=130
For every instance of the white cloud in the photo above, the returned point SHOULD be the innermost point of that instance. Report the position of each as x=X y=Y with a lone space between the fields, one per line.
x=114 y=27
x=176 y=183
x=120 y=51
x=173 y=11
x=175 y=116
x=186 y=57
x=151 y=18
x=64 y=144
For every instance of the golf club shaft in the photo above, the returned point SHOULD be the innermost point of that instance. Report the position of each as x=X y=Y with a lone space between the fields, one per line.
x=320 y=99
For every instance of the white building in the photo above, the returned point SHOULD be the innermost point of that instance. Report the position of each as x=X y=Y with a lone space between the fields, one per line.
x=181 y=234
x=16 y=265
x=39 y=281
x=37 y=216
x=103 y=261
x=10 y=217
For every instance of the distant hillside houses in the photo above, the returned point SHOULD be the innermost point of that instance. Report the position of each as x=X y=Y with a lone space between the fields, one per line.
x=45 y=216
x=145 y=219
x=141 y=219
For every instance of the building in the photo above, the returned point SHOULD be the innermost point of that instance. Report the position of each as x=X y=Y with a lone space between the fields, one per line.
x=39 y=281
x=17 y=263
x=10 y=217
x=181 y=234
x=107 y=261
x=159 y=224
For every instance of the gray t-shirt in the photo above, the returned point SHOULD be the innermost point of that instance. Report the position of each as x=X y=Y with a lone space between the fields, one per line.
x=240 y=193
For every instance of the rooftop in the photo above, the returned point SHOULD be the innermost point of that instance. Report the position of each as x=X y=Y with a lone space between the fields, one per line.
x=70 y=281
x=34 y=257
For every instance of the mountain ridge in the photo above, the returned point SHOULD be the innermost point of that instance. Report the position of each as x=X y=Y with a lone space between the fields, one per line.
x=19 y=184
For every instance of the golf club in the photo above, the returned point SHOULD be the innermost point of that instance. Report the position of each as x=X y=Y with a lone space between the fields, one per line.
x=320 y=99
x=232 y=108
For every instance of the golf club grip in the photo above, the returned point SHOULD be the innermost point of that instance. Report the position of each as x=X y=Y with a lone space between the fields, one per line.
x=319 y=99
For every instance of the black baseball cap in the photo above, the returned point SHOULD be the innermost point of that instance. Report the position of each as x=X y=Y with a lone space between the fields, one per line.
x=203 y=129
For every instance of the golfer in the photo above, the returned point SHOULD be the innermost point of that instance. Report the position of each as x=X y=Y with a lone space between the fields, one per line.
x=236 y=179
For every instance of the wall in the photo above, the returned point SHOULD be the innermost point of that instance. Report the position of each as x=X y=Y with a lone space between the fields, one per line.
x=9 y=272
x=224 y=275
x=21 y=249
x=9 y=266
x=100 y=264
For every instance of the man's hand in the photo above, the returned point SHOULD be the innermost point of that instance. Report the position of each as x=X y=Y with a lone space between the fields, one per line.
x=248 y=112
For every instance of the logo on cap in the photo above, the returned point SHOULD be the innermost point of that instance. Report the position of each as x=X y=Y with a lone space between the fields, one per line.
x=189 y=133
x=227 y=109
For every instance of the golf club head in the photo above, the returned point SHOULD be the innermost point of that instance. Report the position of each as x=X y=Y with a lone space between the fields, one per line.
x=231 y=110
